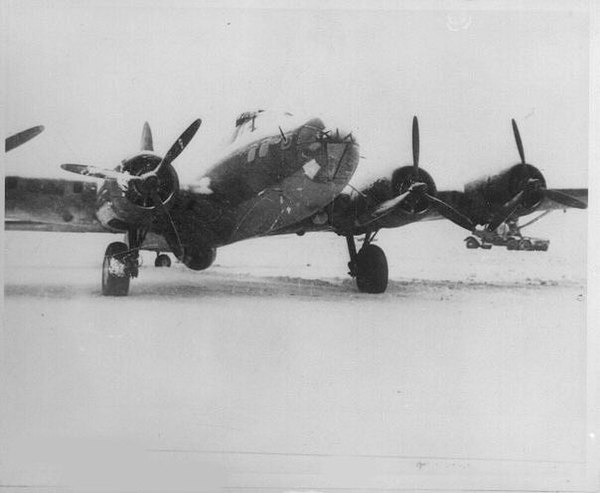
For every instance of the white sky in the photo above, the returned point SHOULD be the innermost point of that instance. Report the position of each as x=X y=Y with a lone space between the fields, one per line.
x=92 y=72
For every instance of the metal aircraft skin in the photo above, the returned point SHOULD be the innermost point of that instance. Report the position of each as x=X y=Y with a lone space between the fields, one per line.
x=278 y=176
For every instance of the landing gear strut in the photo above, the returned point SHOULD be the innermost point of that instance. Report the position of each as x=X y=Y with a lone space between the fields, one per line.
x=121 y=263
x=368 y=266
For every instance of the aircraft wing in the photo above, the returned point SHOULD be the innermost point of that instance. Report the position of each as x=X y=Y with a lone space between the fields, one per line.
x=39 y=204
x=576 y=198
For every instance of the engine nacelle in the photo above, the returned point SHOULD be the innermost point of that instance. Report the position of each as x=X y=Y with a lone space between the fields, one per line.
x=403 y=178
x=198 y=258
x=122 y=204
x=492 y=192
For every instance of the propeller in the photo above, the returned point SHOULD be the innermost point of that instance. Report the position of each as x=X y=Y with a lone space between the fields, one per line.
x=518 y=140
x=506 y=211
x=95 y=172
x=149 y=179
x=146 y=141
x=415 y=146
x=532 y=185
x=418 y=190
x=179 y=145
x=165 y=211
x=564 y=199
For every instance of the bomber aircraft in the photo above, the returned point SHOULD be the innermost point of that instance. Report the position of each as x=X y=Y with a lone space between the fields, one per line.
x=278 y=175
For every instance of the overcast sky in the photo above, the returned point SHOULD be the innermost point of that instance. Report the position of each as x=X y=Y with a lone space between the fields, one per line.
x=92 y=72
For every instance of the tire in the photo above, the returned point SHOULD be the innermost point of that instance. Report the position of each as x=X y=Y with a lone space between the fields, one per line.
x=371 y=270
x=512 y=245
x=471 y=243
x=525 y=245
x=162 y=260
x=112 y=284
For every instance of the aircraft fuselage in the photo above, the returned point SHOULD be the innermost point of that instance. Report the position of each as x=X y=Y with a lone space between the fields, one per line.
x=267 y=180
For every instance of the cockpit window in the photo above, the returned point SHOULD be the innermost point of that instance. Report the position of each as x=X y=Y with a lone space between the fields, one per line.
x=264 y=149
x=251 y=154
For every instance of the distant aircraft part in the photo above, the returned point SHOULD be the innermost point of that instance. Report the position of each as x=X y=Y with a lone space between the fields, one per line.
x=20 y=138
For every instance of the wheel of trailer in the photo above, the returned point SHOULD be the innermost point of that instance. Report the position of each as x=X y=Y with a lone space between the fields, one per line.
x=371 y=270
x=471 y=242
x=115 y=279
x=512 y=245
x=162 y=260
x=525 y=245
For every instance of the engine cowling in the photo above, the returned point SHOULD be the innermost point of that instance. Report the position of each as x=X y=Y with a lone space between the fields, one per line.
x=134 y=202
x=492 y=192
x=403 y=178
x=393 y=185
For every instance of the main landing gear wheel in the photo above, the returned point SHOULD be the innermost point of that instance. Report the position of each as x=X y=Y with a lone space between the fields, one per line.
x=162 y=260
x=512 y=244
x=471 y=242
x=371 y=270
x=115 y=277
x=525 y=245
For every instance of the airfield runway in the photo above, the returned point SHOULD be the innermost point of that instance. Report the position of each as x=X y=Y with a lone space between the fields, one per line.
x=270 y=372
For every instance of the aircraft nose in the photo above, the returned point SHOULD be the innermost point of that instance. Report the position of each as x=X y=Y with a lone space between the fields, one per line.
x=310 y=132
x=316 y=130
x=333 y=150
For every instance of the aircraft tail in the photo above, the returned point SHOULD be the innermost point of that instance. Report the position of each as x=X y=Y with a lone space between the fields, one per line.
x=146 y=143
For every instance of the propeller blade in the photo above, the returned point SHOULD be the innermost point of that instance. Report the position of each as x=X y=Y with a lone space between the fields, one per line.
x=95 y=172
x=519 y=142
x=415 y=146
x=564 y=199
x=179 y=145
x=146 y=142
x=389 y=205
x=20 y=138
x=506 y=210
x=161 y=206
x=450 y=212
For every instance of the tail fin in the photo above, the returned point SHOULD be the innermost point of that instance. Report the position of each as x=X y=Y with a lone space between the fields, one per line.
x=146 y=143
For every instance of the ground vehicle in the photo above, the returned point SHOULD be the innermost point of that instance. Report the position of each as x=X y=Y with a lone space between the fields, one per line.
x=485 y=239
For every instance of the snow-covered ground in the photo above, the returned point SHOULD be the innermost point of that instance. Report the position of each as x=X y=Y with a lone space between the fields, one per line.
x=270 y=372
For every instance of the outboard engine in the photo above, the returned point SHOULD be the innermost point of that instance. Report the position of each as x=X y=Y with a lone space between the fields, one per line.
x=495 y=191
